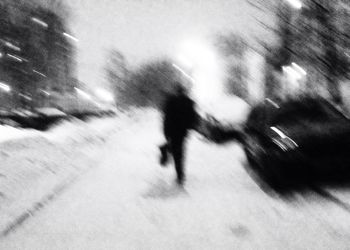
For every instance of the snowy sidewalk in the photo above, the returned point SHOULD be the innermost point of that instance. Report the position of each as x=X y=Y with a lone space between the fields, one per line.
x=129 y=202
x=35 y=166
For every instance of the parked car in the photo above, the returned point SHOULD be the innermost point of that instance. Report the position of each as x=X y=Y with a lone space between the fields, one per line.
x=304 y=139
x=297 y=140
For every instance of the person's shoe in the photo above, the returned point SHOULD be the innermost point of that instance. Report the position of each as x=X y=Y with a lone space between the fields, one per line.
x=163 y=156
x=180 y=182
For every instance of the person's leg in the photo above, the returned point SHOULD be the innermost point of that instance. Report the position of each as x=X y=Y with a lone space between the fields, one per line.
x=178 y=154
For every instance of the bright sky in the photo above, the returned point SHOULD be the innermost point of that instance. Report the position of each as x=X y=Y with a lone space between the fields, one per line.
x=142 y=29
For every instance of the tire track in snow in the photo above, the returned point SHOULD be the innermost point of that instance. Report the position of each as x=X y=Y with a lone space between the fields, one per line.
x=329 y=196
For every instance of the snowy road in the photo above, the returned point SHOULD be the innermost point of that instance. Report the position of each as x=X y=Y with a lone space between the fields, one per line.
x=128 y=202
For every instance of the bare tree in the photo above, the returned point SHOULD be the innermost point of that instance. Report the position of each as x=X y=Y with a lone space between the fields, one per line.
x=145 y=85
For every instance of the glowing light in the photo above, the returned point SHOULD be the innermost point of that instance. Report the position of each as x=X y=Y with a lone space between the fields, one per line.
x=197 y=53
x=5 y=87
x=183 y=72
x=12 y=46
x=40 y=22
x=272 y=103
x=286 y=143
x=294 y=71
x=83 y=94
x=104 y=95
x=299 y=69
x=45 y=92
x=294 y=76
x=290 y=71
x=279 y=132
x=70 y=37
x=26 y=97
x=206 y=72
x=15 y=57
x=297 y=4
x=39 y=73
x=183 y=60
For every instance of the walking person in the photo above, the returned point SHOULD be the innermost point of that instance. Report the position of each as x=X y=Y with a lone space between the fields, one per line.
x=179 y=117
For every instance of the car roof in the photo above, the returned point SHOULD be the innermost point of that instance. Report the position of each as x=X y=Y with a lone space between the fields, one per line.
x=271 y=112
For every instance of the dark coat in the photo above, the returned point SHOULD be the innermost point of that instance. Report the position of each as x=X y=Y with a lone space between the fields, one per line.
x=179 y=115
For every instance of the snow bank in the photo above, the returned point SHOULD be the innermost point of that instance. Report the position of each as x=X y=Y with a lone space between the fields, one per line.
x=77 y=130
x=11 y=133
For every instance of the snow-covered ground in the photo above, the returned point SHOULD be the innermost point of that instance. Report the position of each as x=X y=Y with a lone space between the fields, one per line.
x=11 y=133
x=127 y=201
x=36 y=164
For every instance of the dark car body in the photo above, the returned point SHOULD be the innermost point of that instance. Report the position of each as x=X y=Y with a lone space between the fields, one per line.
x=306 y=138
